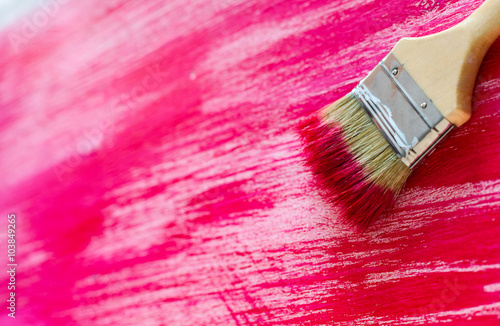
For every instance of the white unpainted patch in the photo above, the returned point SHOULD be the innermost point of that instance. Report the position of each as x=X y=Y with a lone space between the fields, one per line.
x=495 y=287
x=12 y=10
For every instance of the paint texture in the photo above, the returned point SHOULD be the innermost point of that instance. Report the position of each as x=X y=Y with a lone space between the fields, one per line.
x=151 y=153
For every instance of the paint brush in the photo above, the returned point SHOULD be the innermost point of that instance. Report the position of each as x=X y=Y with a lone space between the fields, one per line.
x=363 y=147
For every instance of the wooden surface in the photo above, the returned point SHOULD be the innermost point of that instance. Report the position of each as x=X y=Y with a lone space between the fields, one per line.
x=150 y=152
x=445 y=65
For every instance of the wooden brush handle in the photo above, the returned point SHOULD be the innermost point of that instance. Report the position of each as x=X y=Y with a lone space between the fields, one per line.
x=484 y=25
x=445 y=65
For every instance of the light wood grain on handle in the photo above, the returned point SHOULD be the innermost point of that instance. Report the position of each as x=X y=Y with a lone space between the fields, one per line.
x=484 y=23
x=445 y=65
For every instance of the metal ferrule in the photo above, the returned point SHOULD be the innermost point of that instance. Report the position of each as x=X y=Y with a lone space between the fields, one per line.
x=404 y=114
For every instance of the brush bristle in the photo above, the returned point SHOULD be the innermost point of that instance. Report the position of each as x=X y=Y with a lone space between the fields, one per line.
x=352 y=161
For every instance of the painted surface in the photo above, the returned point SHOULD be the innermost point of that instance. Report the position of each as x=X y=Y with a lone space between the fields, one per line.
x=151 y=154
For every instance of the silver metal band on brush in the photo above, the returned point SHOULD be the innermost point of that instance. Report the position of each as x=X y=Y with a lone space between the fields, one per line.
x=404 y=114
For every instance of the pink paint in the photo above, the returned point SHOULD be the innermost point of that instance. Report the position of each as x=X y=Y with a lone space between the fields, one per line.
x=151 y=154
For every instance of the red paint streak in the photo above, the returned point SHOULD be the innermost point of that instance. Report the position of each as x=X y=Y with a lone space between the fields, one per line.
x=151 y=153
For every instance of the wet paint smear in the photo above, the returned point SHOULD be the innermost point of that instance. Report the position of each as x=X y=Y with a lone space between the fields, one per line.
x=150 y=152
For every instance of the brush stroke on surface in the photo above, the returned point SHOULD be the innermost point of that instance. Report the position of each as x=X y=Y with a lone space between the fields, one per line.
x=150 y=152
